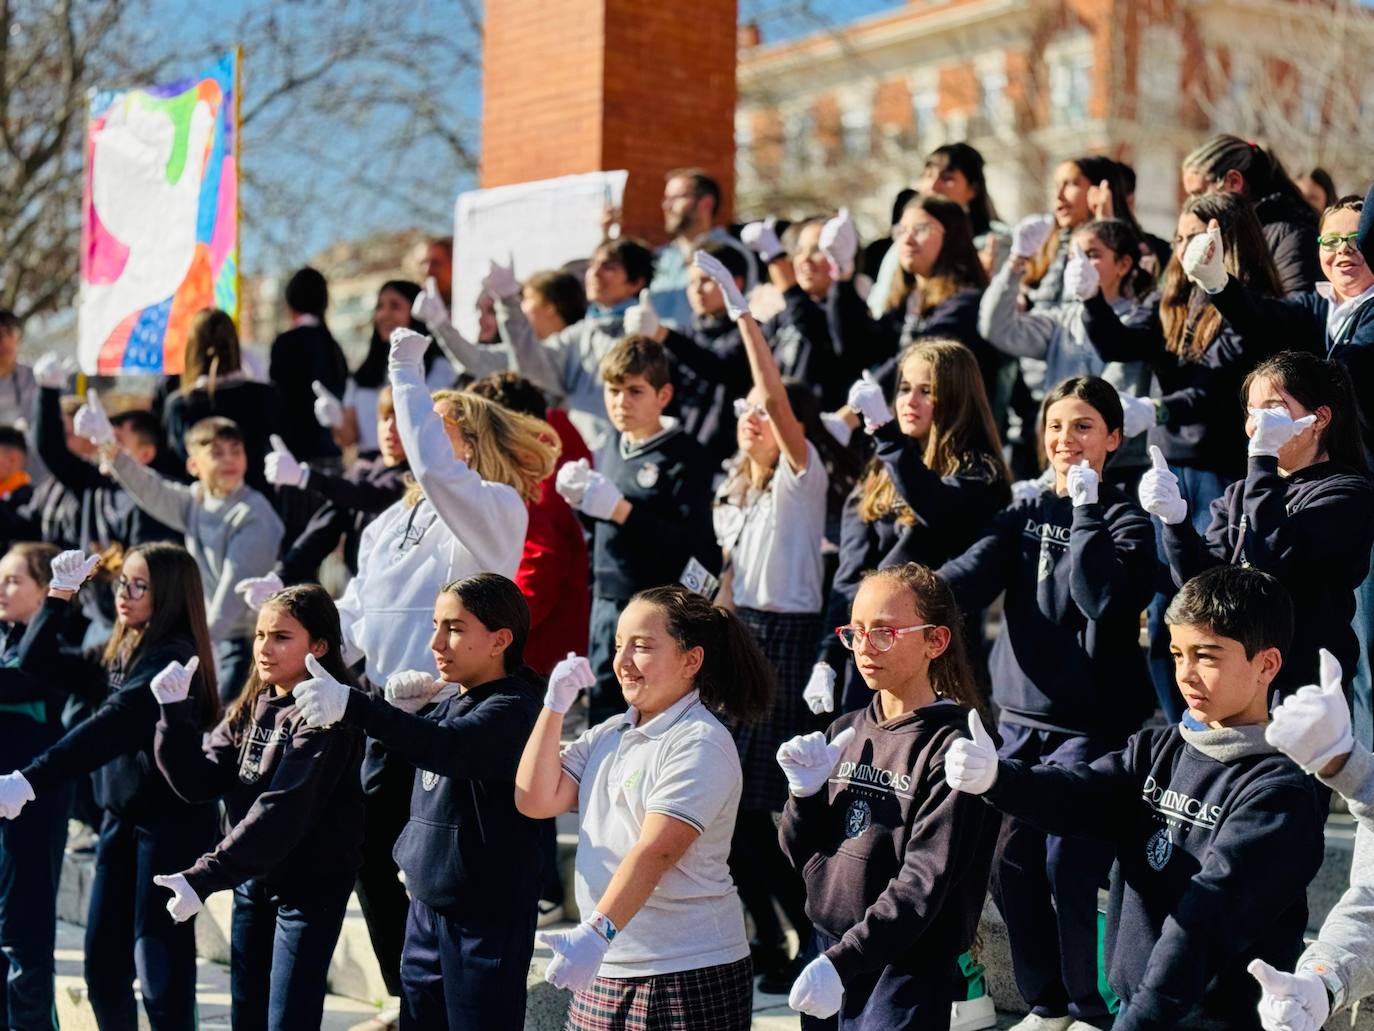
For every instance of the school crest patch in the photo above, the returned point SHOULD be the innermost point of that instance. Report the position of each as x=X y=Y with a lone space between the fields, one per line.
x=857 y=819
x=429 y=780
x=1159 y=849
x=647 y=475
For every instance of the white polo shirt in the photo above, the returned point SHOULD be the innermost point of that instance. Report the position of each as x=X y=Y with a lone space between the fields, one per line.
x=682 y=763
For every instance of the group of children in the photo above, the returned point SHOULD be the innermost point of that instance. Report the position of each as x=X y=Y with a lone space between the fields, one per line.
x=780 y=587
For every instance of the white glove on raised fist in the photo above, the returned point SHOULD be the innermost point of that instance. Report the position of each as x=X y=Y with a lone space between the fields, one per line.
x=407 y=347
x=1204 y=259
x=1274 y=427
x=429 y=306
x=329 y=410
x=572 y=481
x=71 y=569
x=257 y=589
x=762 y=239
x=173 y=684
x=1082 y=482
x=839 y=242
x=735 y=305
x=1081 y=280
x=280 y=468
x=1159 y=491
x=808 y=759
x=1030 y=235
x=92 y=423
x=817 y=991
x=971 y=763
x=500 y=280
x=819 y=694
x=641 y=319
x=1291 y=1002
x=866 y=398
x=1312 y=725
x=15 y=793
x=571 y=676
x=1138 y=414
x=321 y=700
x=184 y=902
x=52 y=372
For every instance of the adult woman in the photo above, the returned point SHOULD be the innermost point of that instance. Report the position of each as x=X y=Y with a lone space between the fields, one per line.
x=662 y=940
x=293 y=806
x=146 y=830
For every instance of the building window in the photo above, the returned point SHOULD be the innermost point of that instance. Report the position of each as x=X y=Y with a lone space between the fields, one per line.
x=799 y=140
x=924 y=121
x=1071 y=79
x=1159 y=76
x=856 y=132
x=992 y=99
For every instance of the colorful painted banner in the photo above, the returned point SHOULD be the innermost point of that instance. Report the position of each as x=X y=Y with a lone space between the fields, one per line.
x=159 y=238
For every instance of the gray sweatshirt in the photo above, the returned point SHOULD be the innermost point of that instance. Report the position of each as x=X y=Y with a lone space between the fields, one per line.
x=230 y=538
x=1346 y=943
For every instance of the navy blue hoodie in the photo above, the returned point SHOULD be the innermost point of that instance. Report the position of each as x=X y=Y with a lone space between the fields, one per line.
x=1313 y=531
x=1076 y=580
x=467 y=852
x=1217 y=836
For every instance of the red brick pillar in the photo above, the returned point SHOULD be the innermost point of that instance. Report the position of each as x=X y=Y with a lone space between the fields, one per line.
x=582 y=85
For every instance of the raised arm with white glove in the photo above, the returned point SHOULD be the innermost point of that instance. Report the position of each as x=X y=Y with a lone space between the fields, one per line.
x=329 y=410
x=866 y=397
x=808 y=759
x=819 y=694
x=411 y=690
x=1204 y=259
x=15 y=793
x=1081 y=280
x=71 y=569
x=500 y=280
x=173 y=684
x=52 y=372
x=1082 y=482
x=1159 y=490
x=1138 y=414
x=1274 y=428
x=257 y=589
x=1030 y=235
x=641 y=319
x=280 y=467
x=429 y=306
x=92 y=423
x=971 y=763
x=321 y=699
x=839 y=242
x=570 y=677
x=1312 y=725
x=735 y=305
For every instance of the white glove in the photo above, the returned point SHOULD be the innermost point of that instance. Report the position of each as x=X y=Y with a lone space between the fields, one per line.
x=329 y=410
x=1026 y=490
x=817 y=991
x=570 y=676
x=15 y=793
x=866 y=398
x=1030 y=235
x=1159 y=493
x=280 y=467
x=1274 y=428
x=839 y=242
x=321 y=699
x=92 y=423
x=572 y=481
x=407 y=347
x=184 y=902
x=600 y=497
x=1204 y=259
x=429 y=307
x=257 y=589
x=1312 y=725
x=762 y=239
x=1081 y=280
x=410 y=690
x=173 y=684
x=500 y=280
x=1082 y=483
x=53 y=372
x=71 y=569
x=838 y=427
x=577 y=955
x=807 y=760
x=1138 y=414
x=641 y=319
x=1291 y=1002
x=819 y=694
x=735 y=305
x=971 y=763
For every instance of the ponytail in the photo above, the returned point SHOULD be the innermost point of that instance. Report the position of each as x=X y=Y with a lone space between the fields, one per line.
x=735 y=679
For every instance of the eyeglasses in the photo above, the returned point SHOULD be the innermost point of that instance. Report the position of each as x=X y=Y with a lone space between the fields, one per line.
x=132 y=589
x=916 y=233
x=881 y=637
x=743 y=409
x=1334 y=242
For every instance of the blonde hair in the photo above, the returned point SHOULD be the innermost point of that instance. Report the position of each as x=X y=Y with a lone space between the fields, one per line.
x=962 y=429
x=507 y=447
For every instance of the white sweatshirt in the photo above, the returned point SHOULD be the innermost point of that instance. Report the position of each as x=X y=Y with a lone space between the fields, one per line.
x=463 y=525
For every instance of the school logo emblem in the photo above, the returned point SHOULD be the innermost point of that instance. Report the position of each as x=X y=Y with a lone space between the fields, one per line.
x=632 y=779
x=647 y=475
x=1159 y=849
x=857 y=820
x=429 y=780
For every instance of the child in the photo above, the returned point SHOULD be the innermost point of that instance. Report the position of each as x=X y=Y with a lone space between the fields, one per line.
x=473 y=864
x=1215 y=833
x=231 y=530
x=16 y=488
x=662 y=942
x=1077 y=564
x=293 y=805
x=896 y=864
x=147 y=830
x=649 y=503
x=1304 y=512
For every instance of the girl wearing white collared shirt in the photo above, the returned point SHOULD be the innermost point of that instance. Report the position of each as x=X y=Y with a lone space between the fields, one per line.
x=656 y=788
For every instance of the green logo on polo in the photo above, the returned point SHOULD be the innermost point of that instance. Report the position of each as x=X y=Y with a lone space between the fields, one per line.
x=632 y=779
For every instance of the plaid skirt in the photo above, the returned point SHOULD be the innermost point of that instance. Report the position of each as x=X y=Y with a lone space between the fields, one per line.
x=719 y=998
x=788 y=640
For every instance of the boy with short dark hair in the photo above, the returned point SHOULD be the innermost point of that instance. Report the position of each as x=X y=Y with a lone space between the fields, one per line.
x=1217 y=833
x=650 y=505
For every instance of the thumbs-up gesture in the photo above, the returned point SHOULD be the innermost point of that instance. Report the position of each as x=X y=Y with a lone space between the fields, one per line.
x=280 y=467
x=971 y=763
x=257 y=589
x=734 y=300
x=1030 y=235
x=1204 y=259
x=1082 y=482
x=839 y=242
x=184 y=903
x=1100 y=200
x=866 y=398
x=1159 y=491
x=92 y=423
x=52 y=372
x=71 y=569
x=1273 y=428
x=407 y=347
x=329 y=411
x=570 y=676
x=1081 y=280
x=807 y=760
x=429 y=306
x=1312 y=726
x=572 y=482
x=500 y=279
x=321 y=700
x=1291 y=1002
x=762 y=239
x=173 y=684
x=641 y=319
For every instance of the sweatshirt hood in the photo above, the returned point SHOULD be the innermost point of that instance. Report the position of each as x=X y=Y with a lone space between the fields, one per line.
x=1228 y=744
x=940 y=713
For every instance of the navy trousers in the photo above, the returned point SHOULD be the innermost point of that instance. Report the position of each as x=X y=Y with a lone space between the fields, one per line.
x=880 y=1000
